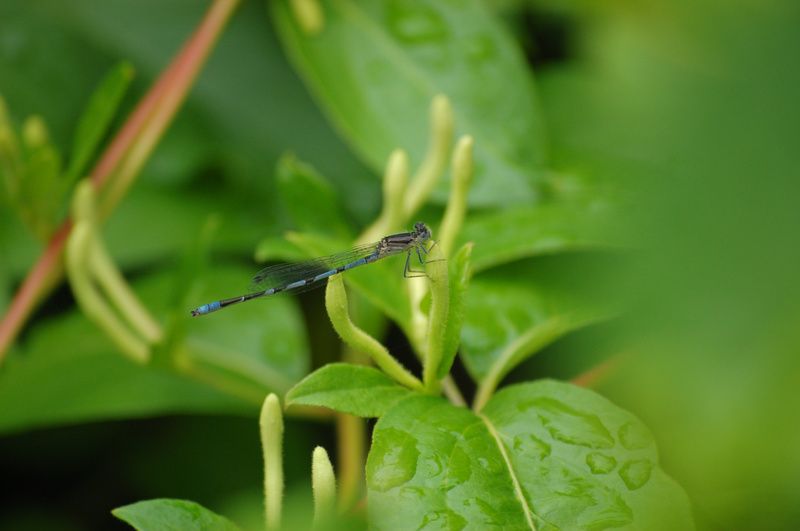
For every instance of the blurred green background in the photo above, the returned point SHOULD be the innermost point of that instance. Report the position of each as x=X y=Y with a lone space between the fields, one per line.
x=685 y=112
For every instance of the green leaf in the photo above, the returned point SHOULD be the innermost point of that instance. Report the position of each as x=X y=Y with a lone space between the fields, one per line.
x=376 y=66
x=513 y=312
x=147 y=210
x=547 y=455
x=309 y=199
x=248 y=351
x=165 y=514
x=264 y=338
x=42 y=187
x=460 y=274
x=278 y=250
x=511 y=234
x=354 y=389
x=96 y=118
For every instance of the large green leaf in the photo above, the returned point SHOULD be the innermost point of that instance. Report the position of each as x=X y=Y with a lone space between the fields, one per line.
x=172 y=515
x=68 y=371
x=502 y=237
x=268 y=335
x=513 y=312
x=250 y=123
x=309 y=199
x=376 y=65
x=147 y=210
x=354 y=389
x=543 y=455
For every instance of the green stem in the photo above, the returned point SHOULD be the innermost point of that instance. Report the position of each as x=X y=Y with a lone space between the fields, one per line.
x=452 y=392
x=336 y=305
x=531 y=341
x=351 y=434
x=437 y=318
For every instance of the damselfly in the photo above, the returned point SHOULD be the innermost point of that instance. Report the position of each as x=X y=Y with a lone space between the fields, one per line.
x=300 y=276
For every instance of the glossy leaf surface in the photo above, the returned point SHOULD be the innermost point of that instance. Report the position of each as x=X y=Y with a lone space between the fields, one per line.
x=513 y=312
x=170 y=514
x=375 y=67
x=354 y=389
x=254 y=349
x=544 y=455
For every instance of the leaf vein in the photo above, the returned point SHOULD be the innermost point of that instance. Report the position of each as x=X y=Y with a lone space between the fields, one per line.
x=526 y=509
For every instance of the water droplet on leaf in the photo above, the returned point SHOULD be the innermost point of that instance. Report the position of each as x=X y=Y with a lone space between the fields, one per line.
x=393 y=459
x=600 y=463
x=442 y=520
x=569 y=425
x=634 y=436
x=636 y=473
x=531 y=446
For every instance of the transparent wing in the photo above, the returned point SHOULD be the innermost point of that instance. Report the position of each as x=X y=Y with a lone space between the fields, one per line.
x=279 y=275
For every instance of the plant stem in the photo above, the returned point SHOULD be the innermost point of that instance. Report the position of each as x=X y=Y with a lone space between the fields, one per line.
x=351 y=434
x=437 y=319
x=531 y=341
x=336 y=305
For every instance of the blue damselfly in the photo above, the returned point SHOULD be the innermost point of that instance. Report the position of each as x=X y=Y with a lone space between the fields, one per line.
x=300 y=276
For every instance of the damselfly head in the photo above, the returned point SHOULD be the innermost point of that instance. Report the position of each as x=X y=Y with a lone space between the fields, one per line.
x=421 y=230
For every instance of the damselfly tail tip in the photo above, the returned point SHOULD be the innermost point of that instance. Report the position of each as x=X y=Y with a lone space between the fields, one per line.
x=206 y=308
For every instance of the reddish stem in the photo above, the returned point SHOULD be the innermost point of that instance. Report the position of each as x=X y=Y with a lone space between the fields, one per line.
x=598 y=373
x=152 y=115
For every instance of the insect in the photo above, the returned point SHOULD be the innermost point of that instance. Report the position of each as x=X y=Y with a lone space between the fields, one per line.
x=300 y=276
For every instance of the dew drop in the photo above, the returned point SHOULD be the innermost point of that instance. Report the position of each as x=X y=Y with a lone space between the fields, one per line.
x=432 y=466
x=600 y=463
x=483 y=508
x=393 y=459
x=531 y=446
x=636 y=473
x=459 y=469
x=571 y=426
x=412 y=493
x=446 y=519
x=634 y=436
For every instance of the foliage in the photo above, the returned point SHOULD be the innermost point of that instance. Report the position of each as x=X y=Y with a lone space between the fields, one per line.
x=553 y=181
